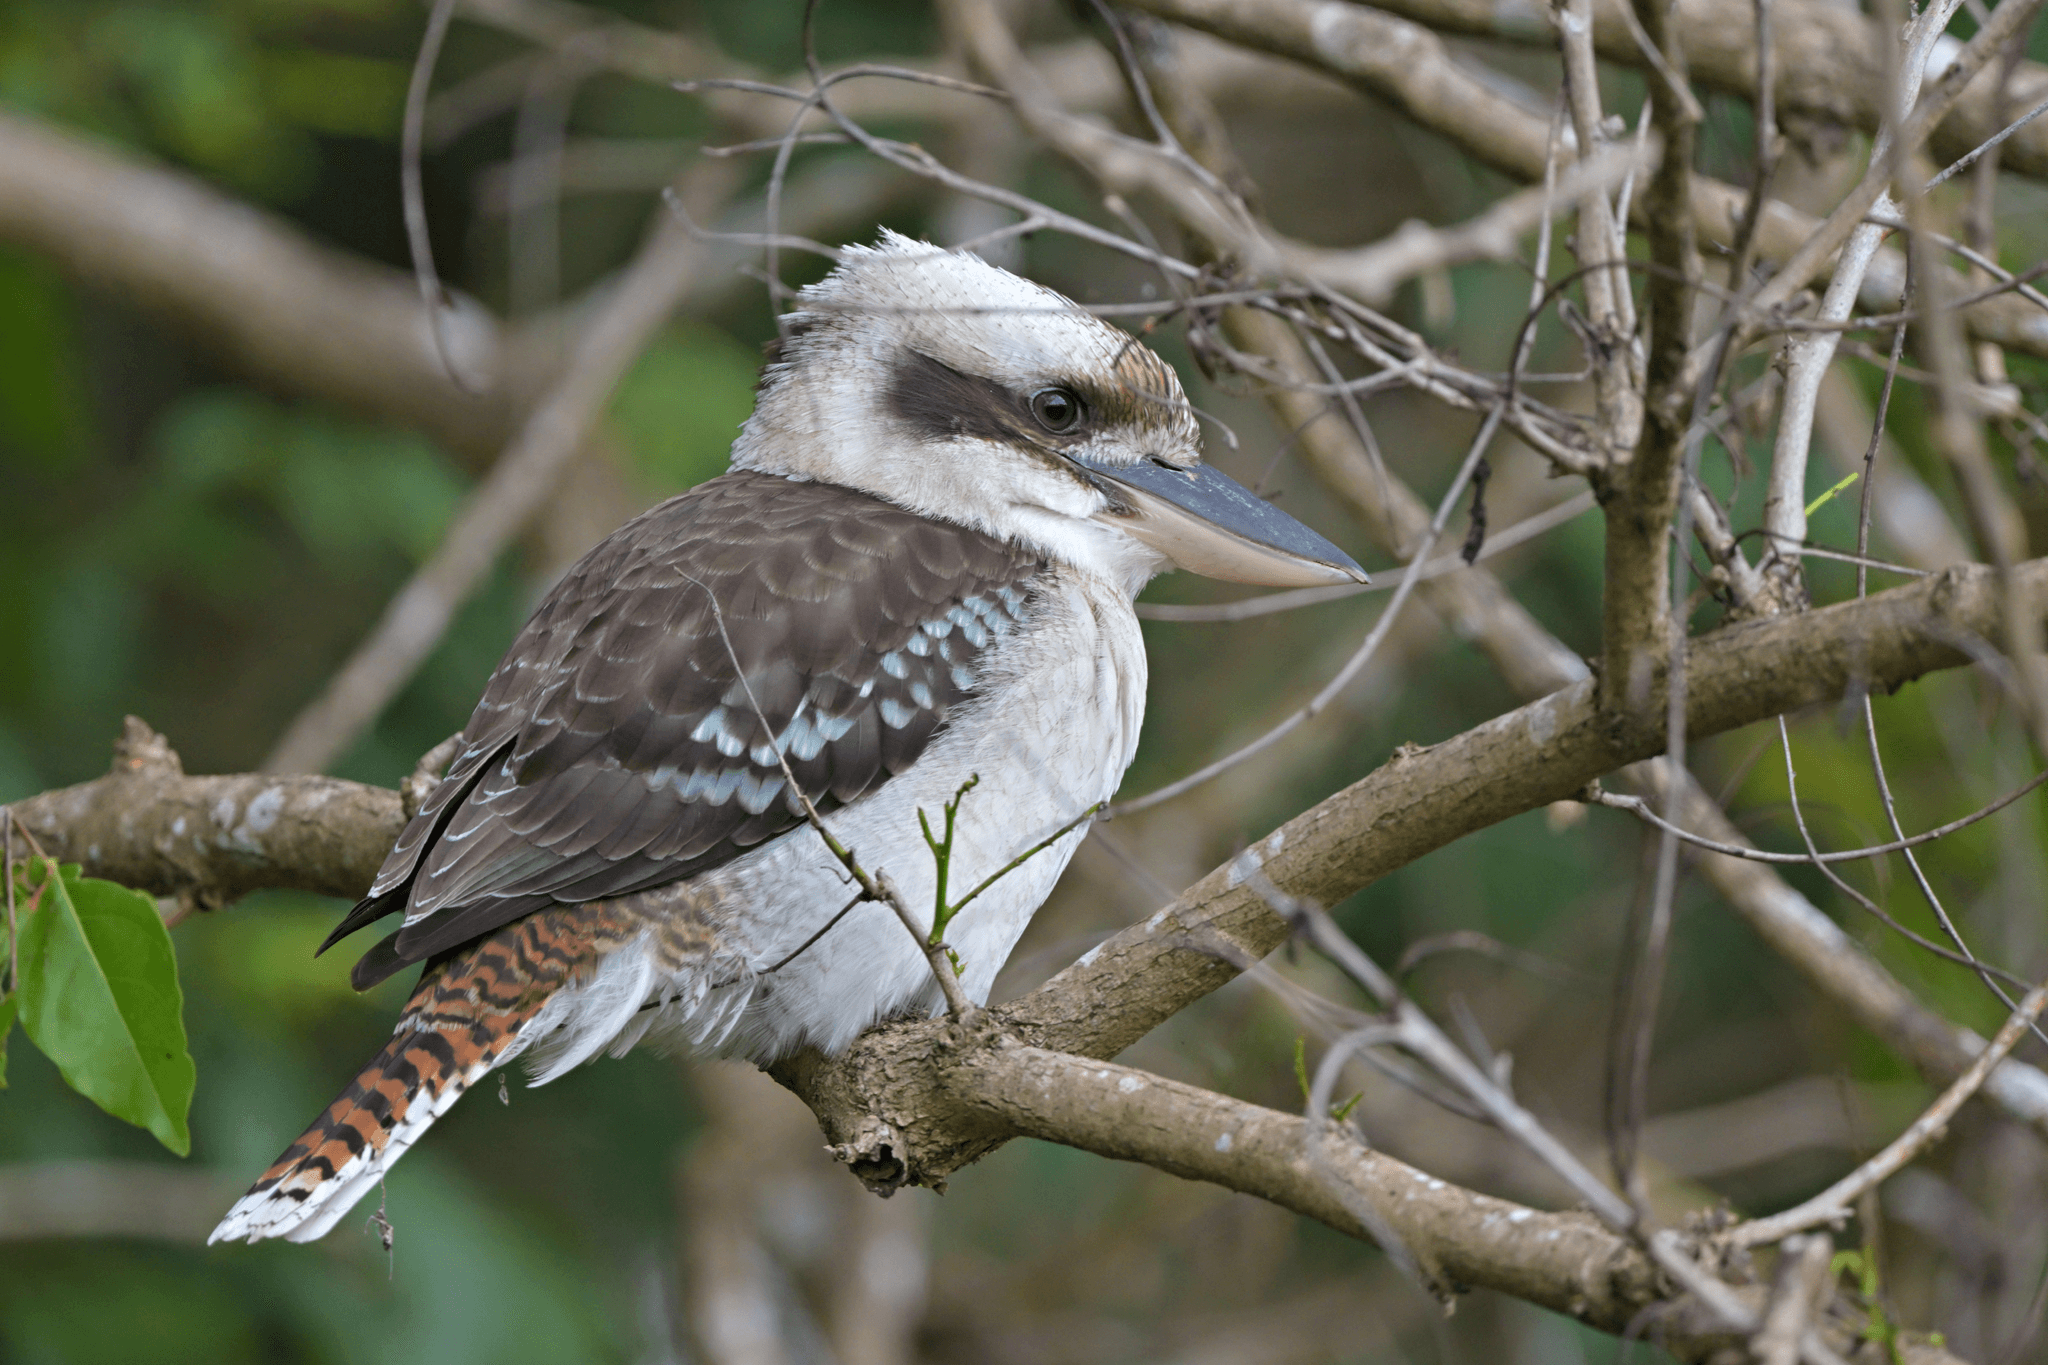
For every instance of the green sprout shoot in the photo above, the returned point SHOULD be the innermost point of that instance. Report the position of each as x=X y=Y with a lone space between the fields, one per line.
x=941 y=845
x=1338 y=1112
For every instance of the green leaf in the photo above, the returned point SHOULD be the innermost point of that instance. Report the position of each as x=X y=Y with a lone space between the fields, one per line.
x=99 y=995
x=6 y=1023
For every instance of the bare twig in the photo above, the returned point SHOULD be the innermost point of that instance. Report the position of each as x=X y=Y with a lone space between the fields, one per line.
x=1837 y=76
x=1969 y=158
x=1640 y=808
x=1961 y=954
x=1809 y=354
x=432 y=297
x=1415 y=1032
x=1834 y=1204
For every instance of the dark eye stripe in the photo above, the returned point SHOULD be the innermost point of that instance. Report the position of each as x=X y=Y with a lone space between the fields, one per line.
x=939 y=401
x=943 y=403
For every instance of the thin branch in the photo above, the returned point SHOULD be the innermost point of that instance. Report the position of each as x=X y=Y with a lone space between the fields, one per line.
x=1840 y=79
x=1969 y=158
x=1926 y=888
x=1809 y=354
x=1026 y=856
x=1960 y=955
x=1636 y=806
x=432 y=297
x=1835 y=1203
x=1418 y=1034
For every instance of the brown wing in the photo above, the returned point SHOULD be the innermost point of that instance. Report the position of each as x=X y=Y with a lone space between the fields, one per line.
x=617 y=747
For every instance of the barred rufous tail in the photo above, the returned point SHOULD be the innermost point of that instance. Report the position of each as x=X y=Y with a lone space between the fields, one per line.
x=469 y=1015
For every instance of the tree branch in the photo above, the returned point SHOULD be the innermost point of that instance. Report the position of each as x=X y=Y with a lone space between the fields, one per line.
x=1830 y=67
x=947 y=1093
x=1408 y=66
x=1567 y=1262
x=1835 y=1203
x=211 y=840
x=1636 y=616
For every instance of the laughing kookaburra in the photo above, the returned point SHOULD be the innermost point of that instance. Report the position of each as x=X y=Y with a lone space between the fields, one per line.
x=922 y=561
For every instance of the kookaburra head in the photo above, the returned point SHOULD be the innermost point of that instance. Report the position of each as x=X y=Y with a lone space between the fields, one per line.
x=960 y=391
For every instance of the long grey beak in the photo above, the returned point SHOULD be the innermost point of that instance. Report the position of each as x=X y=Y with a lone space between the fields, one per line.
x=1212 y=525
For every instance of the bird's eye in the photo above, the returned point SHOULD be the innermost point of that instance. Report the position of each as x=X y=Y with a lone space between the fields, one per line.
x=1057 y=410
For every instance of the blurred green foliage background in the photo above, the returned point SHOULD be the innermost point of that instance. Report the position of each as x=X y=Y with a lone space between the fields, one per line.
x=190 y=548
